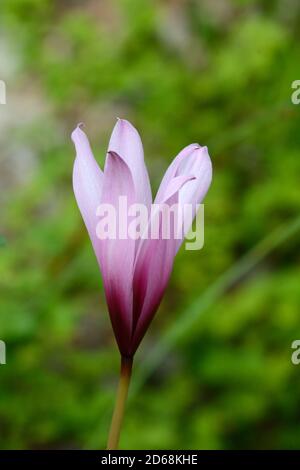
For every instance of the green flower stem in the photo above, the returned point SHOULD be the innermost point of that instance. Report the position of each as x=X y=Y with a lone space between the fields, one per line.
x=117 y=419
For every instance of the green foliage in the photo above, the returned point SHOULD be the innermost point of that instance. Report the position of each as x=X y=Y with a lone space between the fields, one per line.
x=181 y=73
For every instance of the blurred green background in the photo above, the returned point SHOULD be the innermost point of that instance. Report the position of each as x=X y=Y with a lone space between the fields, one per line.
x=214 y=371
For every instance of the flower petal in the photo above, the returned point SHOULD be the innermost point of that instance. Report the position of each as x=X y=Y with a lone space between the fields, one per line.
x=172 y=169
x=193 y=160
x=126 y=142
x=153 y=266
x=87 y=184
x=117 y=255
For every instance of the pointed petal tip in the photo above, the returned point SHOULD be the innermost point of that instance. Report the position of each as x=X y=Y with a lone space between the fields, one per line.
x=196 y=146
x=78 y=131
x=122 y=121
x=125 y=123
x=202 y=152
x=203 y=148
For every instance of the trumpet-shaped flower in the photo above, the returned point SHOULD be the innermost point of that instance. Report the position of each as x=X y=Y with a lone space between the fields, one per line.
x=135 y=271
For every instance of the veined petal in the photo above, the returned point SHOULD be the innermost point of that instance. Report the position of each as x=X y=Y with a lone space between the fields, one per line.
x=193 y=160
x=154 y=264
x=126 y=142
x=172 y=170
x=117 y=254
x=87 y=184
x=175 y=185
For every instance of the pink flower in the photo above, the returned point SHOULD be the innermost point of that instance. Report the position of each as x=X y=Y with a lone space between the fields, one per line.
x=135 y=272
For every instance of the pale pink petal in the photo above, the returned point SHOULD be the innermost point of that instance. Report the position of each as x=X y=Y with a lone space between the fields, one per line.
x=117 y=255
x=126 y=142
x=87 y=184
x=193 y=160
x=172 y=169
x=153 y=267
